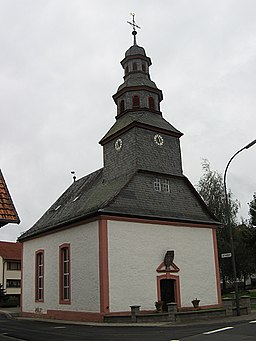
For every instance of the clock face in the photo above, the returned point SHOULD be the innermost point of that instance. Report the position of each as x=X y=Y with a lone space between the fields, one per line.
x=158 y=140
x=118 y=144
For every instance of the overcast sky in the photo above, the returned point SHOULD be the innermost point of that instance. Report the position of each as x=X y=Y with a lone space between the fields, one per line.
x=60 y=66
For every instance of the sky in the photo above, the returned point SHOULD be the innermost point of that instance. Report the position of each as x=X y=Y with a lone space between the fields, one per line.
x=60 y=66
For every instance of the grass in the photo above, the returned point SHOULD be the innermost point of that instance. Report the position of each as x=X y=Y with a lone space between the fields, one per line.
x=241 y=293
x=251 y=293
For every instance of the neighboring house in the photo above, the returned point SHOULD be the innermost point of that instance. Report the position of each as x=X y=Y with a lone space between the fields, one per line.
x=10 y=267
x=10 y=253
x=8 y=212
x=133 y=232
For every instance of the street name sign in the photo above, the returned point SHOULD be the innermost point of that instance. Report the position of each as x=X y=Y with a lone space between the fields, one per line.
x=226 y=255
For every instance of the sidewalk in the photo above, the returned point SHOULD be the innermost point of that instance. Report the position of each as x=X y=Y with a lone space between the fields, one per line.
x=15 y=313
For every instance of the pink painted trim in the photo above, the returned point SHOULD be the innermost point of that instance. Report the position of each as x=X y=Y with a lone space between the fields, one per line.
x=217 y=268
x=21 y=278
x=61 y=284
x=134 y=220
x=159 y=222
x=176 y=287
x=67 y=315
x=103 y=266
x=162 y=268
x=128 y=313
x=41 y=251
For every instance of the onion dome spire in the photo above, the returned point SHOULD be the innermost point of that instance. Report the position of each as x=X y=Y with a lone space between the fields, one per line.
x=134 y=26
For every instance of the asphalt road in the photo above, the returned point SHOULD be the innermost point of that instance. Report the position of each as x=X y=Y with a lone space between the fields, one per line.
x=49 y=331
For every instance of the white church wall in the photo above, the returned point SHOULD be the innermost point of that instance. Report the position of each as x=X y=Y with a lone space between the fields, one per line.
x=133 y=264
x=84 y=254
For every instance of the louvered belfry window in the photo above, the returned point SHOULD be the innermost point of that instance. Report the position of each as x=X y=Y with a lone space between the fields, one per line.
x=135 y=101
x=151 y=103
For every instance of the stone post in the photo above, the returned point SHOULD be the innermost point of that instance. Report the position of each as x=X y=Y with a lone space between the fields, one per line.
x=245 y=302
x=228 y=305
x=135 y=310
x=172 y=310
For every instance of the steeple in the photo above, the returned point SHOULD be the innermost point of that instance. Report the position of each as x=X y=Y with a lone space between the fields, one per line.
x=140 y=138
x=138 y=92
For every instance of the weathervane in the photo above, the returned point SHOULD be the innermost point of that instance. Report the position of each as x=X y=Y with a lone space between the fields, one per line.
x=74 y=175
x=134 y=26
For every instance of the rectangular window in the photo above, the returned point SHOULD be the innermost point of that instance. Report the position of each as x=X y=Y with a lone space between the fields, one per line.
x=65 y=274
x=166 y=186
x=39 y=276
x=157 y=185
x=13 y=265
x=13 y=283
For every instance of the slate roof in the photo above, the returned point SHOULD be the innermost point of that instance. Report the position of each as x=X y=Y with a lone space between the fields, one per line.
x=147 y=118
x=137 y=79
x=134 y=50
x=131 y=195
x=10 y=251
x=8 y=212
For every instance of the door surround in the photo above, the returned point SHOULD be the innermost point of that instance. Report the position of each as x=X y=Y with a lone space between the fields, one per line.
x=176 y=287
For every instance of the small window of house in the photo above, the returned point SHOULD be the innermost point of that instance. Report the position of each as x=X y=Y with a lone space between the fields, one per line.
x=13 y=266
x=151 y=103
x=134 y=66
x=122 y=106
x=13 y=283
x=135 y=102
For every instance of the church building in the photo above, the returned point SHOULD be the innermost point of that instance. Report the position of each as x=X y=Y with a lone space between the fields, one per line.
x=134 y=232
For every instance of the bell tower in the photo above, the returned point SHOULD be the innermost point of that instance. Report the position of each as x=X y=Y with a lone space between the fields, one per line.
x=140 y=138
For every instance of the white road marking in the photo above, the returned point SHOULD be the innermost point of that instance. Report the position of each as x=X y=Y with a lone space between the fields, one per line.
x=59 y=327
x=252 y=322
x=217 y=330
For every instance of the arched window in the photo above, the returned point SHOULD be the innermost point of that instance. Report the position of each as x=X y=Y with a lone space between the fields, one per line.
x=144 y=67
x=135 y=101
x=134 y=67
x=151 y=103
x=122 y=106
x=126 y=70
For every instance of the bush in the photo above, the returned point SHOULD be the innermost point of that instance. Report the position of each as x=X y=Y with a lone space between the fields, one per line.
x=10 y=301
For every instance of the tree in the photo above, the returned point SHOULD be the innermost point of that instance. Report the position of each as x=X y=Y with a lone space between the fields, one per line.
x=245 y=262
x=251 y=235
x=212 y=190
x=252 y=211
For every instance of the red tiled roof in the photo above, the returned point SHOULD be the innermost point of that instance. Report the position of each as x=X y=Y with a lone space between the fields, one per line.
x=11 y=251
x=8 y=212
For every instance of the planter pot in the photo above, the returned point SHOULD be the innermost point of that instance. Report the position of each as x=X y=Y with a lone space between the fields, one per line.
x=196 y=303
x=159 y=306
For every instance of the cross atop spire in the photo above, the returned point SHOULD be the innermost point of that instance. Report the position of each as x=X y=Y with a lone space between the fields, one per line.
x=134 y=26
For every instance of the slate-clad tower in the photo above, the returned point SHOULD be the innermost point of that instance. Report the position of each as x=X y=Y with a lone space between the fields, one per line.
x=133 y=232
x=141 y=138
